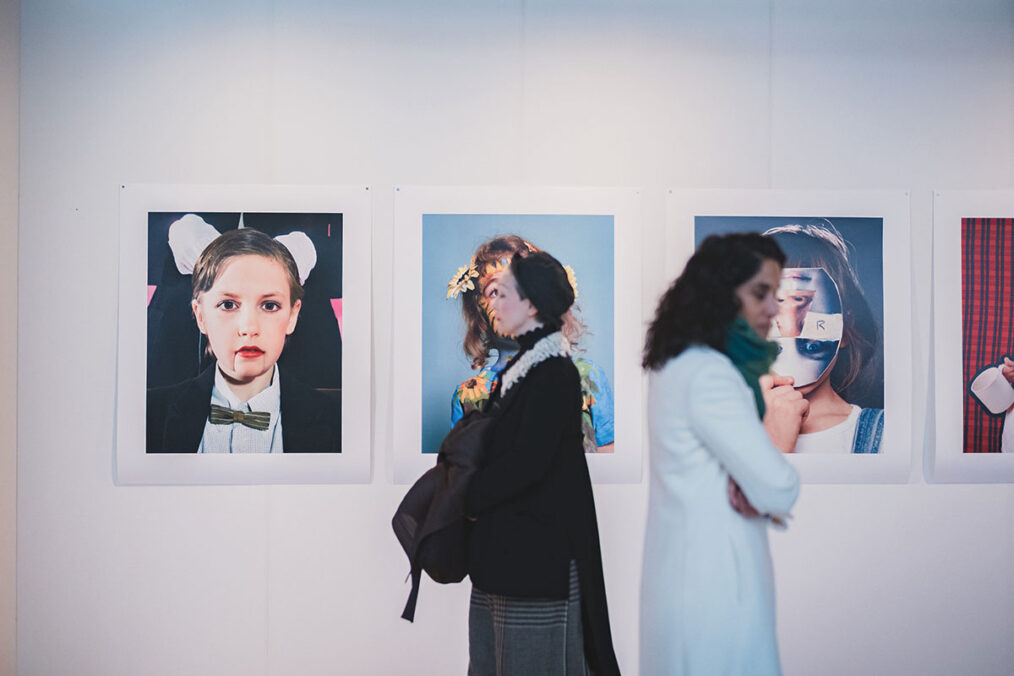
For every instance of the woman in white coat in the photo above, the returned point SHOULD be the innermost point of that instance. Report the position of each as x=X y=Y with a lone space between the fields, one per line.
x=718 y=476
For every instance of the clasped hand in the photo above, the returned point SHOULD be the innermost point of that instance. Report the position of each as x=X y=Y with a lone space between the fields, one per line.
x=785 y=411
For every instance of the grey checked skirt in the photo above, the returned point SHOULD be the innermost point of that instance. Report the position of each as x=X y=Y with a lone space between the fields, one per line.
x=510 y=636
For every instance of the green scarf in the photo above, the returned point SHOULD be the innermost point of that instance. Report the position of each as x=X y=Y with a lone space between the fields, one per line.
x=751 y=354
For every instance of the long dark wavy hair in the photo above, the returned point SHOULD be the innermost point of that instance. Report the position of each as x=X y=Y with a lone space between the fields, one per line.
x=858 y=374
x=701 y=303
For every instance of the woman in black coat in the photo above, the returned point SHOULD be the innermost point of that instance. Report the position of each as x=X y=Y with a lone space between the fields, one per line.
x=538 y=596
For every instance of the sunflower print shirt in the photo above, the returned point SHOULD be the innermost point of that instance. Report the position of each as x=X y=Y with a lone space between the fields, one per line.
x=597 y=421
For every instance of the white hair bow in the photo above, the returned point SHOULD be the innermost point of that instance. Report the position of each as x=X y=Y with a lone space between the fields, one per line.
x=190 y=235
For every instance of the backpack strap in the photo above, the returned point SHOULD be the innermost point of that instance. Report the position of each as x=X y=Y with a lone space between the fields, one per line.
x=413 y=596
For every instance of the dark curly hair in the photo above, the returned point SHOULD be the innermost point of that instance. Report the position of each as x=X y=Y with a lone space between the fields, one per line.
x=701 y=303
x=859 y=368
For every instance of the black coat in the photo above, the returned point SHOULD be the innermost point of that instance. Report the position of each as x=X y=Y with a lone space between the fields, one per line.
x=311 y=421
x=533 y=501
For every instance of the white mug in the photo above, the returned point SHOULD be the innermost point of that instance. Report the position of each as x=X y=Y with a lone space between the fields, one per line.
x=993 y=390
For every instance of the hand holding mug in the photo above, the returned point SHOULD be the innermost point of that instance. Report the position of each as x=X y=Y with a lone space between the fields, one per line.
x=1007 y=369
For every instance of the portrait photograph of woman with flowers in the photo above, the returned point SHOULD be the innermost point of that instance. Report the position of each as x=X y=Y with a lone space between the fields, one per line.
x=463 y=351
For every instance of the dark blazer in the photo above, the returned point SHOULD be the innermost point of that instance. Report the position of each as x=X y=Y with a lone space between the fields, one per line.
x=311 y=421
x=533 y=503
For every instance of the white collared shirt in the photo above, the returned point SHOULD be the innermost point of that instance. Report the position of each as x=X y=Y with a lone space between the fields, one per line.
x=236 y=437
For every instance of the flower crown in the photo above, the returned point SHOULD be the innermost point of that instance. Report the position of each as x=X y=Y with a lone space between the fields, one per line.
x=464 y=278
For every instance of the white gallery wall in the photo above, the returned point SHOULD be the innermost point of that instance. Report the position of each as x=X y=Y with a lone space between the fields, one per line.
x=912 y=94
x=9 y=66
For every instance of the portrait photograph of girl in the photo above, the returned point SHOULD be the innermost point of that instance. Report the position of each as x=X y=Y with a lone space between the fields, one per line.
x=464 y=348
x=829 y=327
x=244 y=344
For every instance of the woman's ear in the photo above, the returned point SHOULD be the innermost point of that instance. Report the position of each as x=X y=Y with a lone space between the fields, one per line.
x=198 y=315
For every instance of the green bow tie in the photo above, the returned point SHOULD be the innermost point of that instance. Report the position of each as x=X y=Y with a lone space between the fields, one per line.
x=258 y=420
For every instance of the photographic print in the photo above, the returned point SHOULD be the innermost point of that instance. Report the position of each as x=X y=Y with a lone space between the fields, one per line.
x=246 y=325
x=830 y=328
x=974 y=272
x=462 y=254
x=461 y=250
x=987 y=340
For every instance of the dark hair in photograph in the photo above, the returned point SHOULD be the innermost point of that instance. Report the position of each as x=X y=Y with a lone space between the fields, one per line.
x=702 y=302
x=818 y=244
x=543 y=281
x=243 y=242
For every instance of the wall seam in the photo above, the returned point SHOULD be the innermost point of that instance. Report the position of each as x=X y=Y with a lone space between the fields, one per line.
x=270 y=172
x=523 y=53
x=267 y=579
x=16 y=211
x=771 y=104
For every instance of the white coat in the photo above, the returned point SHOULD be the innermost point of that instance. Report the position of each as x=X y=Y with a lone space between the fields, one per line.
x=707 y=590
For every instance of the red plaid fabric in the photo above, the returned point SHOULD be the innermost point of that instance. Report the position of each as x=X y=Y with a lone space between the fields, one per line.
x=987 y=315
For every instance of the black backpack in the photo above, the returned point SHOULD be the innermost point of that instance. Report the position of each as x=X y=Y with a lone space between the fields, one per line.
x=430 y=522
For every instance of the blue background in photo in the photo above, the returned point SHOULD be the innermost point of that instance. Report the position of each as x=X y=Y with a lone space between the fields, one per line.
x=584 y=242
x=865 y=235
